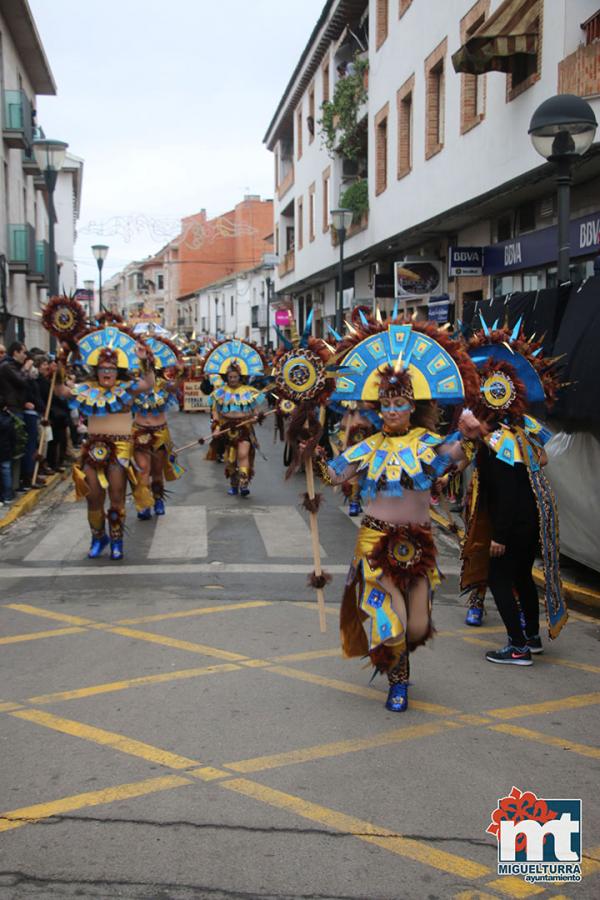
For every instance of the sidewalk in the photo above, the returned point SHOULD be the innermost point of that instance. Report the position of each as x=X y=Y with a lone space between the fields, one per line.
x=581 y=586
x=24 y=503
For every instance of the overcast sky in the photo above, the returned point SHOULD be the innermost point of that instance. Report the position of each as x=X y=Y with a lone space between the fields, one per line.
x=167 y=103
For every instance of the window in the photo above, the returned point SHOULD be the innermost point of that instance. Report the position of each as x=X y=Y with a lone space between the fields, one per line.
x=381 y=149
x=526 y=217
x=382 y=22
x=299 y=134
x=404 y=99
x=290 y=238
x=435 y=100
x=160 y=282
x=472 y=87
x=300 y=222
x=525 y=67
x=504 y=229
x=277 y=238
x=326 y=82
x=310 y=119
x=312 y=212
x=255 y=316
x=326 y=197
x=501 y=285
x=231 y=306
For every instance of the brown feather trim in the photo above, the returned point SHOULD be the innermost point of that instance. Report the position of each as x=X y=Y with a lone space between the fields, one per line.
x=64 y=317
x=424 y=558
x=318 y=582
x=355 y=315
x=303 y=427
x=311 y=504
x=383 y=657
x=517 y=408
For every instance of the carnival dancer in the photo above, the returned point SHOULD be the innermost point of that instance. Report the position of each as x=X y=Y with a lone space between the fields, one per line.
x=407 y=370
x=153 y=446
x=236 y=406
x=106 y=463
x=512 y=508
x=358 y=422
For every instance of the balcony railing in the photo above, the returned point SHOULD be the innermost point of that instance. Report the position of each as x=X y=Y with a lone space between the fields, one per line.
x=287 y=264
x=579 y=73
x=41 y=270
x=17 y=125
x=21 y=248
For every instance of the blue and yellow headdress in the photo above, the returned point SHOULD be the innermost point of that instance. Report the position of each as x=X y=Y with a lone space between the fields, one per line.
x=165 y=353
x=234 y=352
x=111 y=338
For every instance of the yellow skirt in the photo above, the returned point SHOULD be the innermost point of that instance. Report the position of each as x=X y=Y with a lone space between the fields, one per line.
x=99 y=452
x=150 y=438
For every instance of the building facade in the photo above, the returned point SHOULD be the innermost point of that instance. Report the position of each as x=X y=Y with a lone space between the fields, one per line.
x=375 y=118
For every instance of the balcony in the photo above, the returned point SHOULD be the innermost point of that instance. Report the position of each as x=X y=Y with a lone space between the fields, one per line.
x=287 y=264
x=286 y=183
x=28 y=159
x=579 y=73
x=21 y=248
x=17 y=126
x=40 y=274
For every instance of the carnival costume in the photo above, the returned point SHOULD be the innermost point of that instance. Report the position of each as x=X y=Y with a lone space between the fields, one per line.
x=104 y=450
x=232 y=407
x=358 y=422
x=514 y=377
x=410 y=363
x=153 y=446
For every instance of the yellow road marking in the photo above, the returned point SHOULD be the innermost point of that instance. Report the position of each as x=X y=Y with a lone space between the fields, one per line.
x=591 y=861
x=331 y=611
x=8 y=706
x=572 y=664
x=48 y=614
x=476 y=895
x=550 y=740
x=16 y=818
x=127 y=683
x=364 y=831
x=308 y=654
x=514 y=887
x=575 y=701
x=106 y=738
x=38 y=635
x=199 y=611
x=174 y=642
x=473 y=719
x=322 y=751
x=208 y=773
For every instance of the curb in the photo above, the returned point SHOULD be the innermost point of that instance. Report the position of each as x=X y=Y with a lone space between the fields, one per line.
x=572 y=591
x=28 y=501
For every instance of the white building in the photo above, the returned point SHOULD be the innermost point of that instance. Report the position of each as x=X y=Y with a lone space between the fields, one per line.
x=231 y=307
x=24 y=258
x=446 y=157
x=67 y=204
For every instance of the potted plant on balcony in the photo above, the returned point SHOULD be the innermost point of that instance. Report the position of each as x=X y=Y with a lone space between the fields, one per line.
x=340 y=124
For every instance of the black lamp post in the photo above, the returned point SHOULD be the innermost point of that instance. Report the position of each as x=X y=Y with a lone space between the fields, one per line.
x=217 y=316
x=269 y=284
x=50 y=156
x=100 y=252
x=562 y=129
x=341 y=219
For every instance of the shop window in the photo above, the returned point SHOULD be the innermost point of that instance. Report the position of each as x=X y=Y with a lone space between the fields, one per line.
x=526 y=217
x=502 y=285
x=504 y=228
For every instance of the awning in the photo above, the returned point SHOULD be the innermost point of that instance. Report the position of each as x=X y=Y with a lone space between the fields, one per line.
x=510 y=31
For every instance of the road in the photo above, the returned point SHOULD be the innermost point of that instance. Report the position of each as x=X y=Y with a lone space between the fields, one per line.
x=175 y=726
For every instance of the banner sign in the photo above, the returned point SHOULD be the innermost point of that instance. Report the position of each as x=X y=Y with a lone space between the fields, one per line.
x=193 y=398
x=465 y=261
x=417 y=277
x=283 y=317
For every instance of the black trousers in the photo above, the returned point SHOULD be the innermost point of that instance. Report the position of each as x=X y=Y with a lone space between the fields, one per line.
x=510 y=578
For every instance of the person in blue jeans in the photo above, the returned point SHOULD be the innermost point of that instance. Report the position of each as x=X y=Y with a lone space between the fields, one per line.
x=7 y=450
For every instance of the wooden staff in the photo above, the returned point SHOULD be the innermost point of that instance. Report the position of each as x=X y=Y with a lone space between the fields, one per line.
x=222 y=431
x=42 y=439
x=316 y=547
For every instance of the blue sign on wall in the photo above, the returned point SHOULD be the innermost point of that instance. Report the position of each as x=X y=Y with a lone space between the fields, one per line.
x=465 y=261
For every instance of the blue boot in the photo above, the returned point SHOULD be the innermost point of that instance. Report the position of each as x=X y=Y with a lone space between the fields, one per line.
x=99 y=542
x=397 y=699
x=116 y=549
x=145 y=514
x=354 y=508
x=475 y=616
x=233 y=491
x=159 y=507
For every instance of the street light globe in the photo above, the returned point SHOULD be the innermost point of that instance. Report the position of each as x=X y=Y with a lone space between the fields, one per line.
x=49 y=155
x=563 y=126
x=341 y=218
x=100 y=252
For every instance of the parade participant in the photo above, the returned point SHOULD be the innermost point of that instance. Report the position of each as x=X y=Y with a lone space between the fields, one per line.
x=407 y=370
x=106 y=462
x=358 y=423
x=235 y=405
x=512 y=508
x=153 y=446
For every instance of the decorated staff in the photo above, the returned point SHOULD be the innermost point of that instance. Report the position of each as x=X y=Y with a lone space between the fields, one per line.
x=511 y=508
x=227 y=368
x=65 y=319
x=153 y=446
x=406 y=370
x=118 y=372
x=302 y=377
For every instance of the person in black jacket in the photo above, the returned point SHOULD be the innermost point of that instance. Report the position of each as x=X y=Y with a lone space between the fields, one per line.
x=7 y=451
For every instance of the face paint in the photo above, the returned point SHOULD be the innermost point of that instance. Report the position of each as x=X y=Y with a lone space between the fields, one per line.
x=396 y=409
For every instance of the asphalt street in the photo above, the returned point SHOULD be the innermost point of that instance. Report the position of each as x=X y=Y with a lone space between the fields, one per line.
x=175 y=726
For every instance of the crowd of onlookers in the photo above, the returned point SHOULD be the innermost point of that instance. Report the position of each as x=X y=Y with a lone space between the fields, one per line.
x=25 y=384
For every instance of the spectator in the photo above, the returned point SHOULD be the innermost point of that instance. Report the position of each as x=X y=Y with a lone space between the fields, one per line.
x=58 y=418
x=8 y=440
x=2 y=352
x=13 y=388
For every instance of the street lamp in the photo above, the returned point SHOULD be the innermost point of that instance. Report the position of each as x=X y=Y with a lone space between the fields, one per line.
x=341 y=219
x=217 y=316
x=269 y=284
x=100 y=252
x=562 y=129
x=50 y=156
